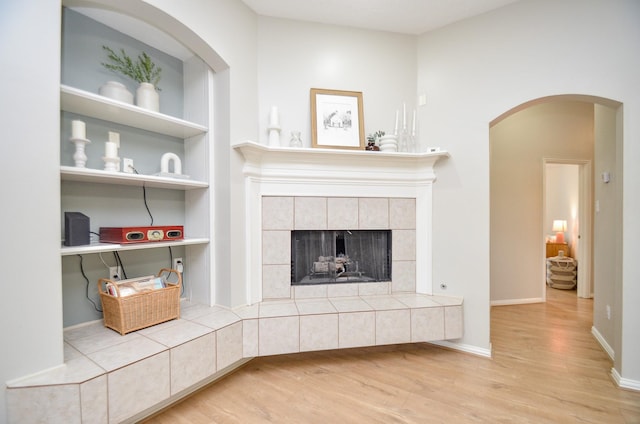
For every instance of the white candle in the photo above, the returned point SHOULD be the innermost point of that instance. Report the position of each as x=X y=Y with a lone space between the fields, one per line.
x=110 y=149
x=273 y=118
x=404 y=116
x=78 y=129
x=413 y=124
x=114 y=137
x=395 y=131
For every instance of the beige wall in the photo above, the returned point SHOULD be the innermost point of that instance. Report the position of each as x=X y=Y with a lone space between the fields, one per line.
x=556 y=129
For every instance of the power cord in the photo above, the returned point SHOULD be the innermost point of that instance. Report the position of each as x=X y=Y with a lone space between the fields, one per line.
x=87 y=285
x=144 y=195
x=119 y=263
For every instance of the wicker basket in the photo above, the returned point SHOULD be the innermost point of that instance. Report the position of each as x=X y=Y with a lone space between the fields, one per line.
x=130 y=313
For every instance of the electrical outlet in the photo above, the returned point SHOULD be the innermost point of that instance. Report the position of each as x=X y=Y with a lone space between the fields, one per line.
x=127 y=165
x=608 y=312
x=115 y=273
x=178 y=264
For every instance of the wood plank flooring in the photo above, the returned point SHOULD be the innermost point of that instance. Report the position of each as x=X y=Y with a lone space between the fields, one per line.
x=546 y=368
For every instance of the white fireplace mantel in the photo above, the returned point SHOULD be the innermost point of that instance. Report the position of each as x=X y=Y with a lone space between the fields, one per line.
x=283 y=171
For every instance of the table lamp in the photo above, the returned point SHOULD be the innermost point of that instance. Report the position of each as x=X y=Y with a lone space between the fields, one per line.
x=559 y=226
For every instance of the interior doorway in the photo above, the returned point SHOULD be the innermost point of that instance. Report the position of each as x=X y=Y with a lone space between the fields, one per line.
x=567 y=197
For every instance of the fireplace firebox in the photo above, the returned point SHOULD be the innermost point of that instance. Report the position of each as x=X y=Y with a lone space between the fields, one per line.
x=340 y=256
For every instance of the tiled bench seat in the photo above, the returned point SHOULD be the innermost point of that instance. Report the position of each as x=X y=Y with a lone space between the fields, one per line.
x=108 y=378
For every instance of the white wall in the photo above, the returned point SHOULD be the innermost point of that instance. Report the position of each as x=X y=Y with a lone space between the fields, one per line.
x=474 y=71
x=31 y=303
x=297 y=56
x=559 y=129
x=561 y=200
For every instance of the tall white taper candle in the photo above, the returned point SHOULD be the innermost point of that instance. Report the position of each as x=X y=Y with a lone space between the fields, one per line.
x=78 y=129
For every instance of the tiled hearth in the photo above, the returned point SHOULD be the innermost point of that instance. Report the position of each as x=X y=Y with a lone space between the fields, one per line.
x=108 y=378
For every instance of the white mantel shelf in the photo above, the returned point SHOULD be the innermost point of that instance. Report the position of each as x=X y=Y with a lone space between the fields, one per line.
x=337 y=164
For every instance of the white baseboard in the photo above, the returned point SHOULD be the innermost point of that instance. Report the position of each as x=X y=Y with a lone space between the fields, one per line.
x=475 y=350
x=516 y=301
x=603 y=343
x=625 y=383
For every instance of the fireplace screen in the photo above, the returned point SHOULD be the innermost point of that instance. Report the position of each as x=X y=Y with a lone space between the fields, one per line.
x=342 y=256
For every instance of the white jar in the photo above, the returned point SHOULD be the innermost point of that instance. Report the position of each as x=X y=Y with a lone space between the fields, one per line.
x=116 y=91
x=147 y=97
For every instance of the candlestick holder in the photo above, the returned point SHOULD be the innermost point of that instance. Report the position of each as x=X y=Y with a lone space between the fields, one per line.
x=274 y=136
x=403 y=141
x=111 y=163
x=80 y=157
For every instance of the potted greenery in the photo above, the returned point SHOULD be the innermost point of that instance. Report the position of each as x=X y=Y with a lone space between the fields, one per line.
x=372 y=140
x=142 y=70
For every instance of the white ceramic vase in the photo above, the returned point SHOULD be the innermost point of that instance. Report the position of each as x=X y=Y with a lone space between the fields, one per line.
x=116 y=91
x=147 y=97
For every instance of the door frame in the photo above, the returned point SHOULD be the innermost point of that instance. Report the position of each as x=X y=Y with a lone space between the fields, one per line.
x=585 y=219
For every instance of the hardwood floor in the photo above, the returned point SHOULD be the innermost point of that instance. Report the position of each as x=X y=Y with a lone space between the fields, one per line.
x=546 y=368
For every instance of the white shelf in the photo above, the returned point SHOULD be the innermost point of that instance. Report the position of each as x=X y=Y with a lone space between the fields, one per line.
x=111 y=247
x=87 y=175
x=97 y=106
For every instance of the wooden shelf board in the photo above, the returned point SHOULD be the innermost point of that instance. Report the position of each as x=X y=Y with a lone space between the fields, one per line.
x=87 y=175
x=111 y=247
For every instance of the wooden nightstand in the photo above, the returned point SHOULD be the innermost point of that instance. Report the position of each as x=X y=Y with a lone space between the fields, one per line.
x=554 y=248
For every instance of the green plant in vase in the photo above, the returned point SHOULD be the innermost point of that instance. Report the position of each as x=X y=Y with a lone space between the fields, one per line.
x=372 y=140
x=142 y=70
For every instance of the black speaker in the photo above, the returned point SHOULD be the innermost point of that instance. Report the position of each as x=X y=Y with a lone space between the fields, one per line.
x=76 y=229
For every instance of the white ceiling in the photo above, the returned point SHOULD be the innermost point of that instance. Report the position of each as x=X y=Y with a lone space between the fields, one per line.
x=402 y=16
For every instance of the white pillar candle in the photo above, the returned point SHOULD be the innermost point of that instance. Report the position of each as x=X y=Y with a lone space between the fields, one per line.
x=413 y=124
x=78 y=129
x=395 y=131
x=404 y=116
x=273 y=117
x=114 y=137
x=110 y=149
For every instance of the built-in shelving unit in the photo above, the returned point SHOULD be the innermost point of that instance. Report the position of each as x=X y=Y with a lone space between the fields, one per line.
x=71 y=173
x=111 y=247
x=97 y=106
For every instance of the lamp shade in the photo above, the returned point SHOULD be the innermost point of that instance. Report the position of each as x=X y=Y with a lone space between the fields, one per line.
x=559 y=225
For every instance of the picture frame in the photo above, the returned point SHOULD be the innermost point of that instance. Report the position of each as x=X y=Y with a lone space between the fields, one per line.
x=337 y=119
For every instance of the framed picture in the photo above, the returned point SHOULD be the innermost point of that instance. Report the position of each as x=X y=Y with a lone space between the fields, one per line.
x=336 y=119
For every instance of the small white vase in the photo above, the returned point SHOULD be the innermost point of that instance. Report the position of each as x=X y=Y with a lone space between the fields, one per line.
x=147 y=97
x=116 y=91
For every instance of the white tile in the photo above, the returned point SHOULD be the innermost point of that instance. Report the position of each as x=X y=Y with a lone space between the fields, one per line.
x=416 y=300
x=403 y=276
x=84 y=330
x=318 y=332
x=229 y=345
x=350 y=304
x=427 y=324
x=139 y=386
x=126 y=353
x=250 y=338
x=276 y=247
x=310 y=291
x=453 y=322
x=402 y=214
x=74 y=370
x=277 y=308
x=192 y=362
x=92 y=401
x=277 y=213
x=315 y=306
x=342 y=290
x=371 y=289
x=180 y=333
x=356 y=329
x=97 y=339
x=279 y=335
x=55 y=404
x=310 y=213
x=393 y=326
x=447 y=300
x=247 y=311
x=218 y=319
x=373 y=213
x=70 y=352
x=342 y=213
x=384 y=303
x=197 y=310
x=276 y=281
x=403 y=245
